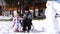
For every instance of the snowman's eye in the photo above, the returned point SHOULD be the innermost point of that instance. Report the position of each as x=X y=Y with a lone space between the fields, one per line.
x=48 y=3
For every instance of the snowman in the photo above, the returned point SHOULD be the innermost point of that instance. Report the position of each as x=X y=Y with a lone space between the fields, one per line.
x=56 y=7
x=51 y=24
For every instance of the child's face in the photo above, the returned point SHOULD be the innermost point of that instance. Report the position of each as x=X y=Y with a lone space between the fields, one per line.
x=17 y=15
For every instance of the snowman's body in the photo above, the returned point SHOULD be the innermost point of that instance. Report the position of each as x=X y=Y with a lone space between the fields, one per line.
x=57 y=8
x=51 y=23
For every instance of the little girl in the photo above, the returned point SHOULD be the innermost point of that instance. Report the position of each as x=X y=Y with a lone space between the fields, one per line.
x=17 y=23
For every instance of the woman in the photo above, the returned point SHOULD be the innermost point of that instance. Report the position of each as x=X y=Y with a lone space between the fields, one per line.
x=27 y=20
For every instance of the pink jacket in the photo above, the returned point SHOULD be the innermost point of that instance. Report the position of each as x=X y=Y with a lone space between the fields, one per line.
x=16 y=20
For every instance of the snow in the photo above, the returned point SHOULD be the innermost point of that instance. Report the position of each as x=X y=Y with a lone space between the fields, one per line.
x=50 y=25
x=5 y=17
x=6 y=28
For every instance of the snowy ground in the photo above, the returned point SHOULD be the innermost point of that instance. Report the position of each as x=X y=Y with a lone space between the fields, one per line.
x=6 y=27
x=39 y=25
x=5 y=17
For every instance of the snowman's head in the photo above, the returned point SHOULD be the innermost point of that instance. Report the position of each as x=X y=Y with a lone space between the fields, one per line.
x=49 y=3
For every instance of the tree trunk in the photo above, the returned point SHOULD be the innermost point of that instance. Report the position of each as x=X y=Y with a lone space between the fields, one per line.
x=33 y=10
x=23 y=7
